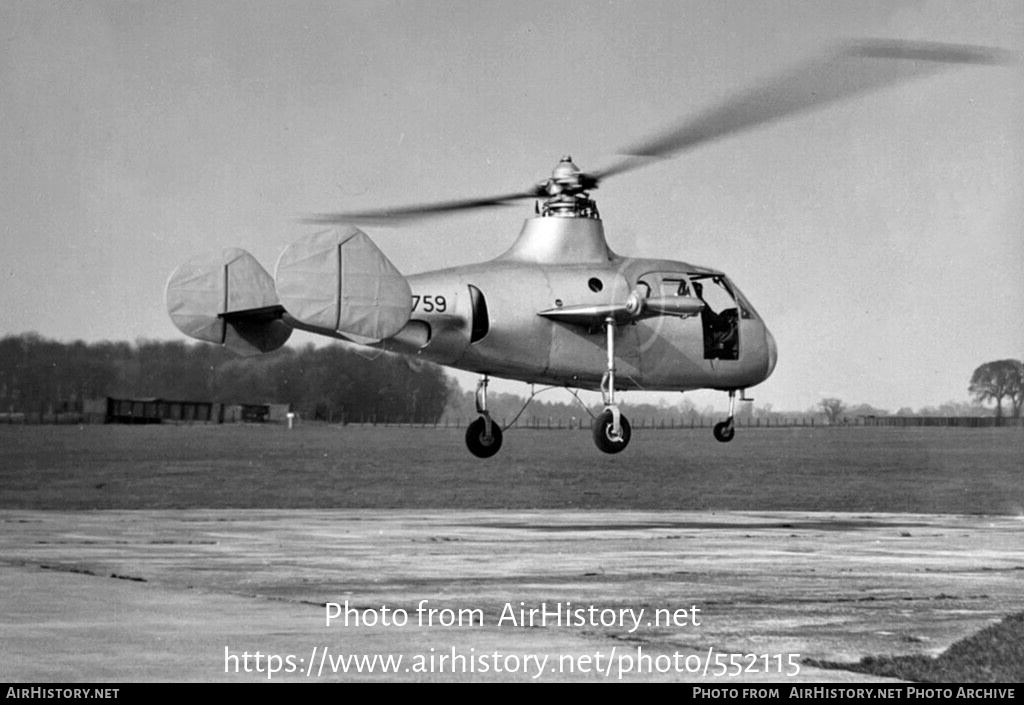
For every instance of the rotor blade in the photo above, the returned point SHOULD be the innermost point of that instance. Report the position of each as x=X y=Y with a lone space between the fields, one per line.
x=394 y=215
x=847 y=71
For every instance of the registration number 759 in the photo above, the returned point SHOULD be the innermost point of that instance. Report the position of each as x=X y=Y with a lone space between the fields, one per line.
x=429 y=303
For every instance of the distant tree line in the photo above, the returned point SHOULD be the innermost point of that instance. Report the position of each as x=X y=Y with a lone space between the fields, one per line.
x=994 y=381
x=504 y=407
x=40 y=376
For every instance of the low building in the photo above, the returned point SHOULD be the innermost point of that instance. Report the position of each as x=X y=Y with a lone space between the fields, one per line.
x=147 y=411
x=153 y=410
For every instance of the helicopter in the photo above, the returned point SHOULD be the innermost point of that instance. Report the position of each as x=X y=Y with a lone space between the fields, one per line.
x=558 y=307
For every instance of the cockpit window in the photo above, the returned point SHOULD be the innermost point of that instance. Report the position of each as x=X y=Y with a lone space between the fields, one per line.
x=721 y=295
x=746 y=310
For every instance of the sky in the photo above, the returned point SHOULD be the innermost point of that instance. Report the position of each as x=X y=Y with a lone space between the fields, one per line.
x=881 y=238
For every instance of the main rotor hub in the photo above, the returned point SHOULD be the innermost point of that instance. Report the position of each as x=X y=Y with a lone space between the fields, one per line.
x=567 y=192
x=565 y=171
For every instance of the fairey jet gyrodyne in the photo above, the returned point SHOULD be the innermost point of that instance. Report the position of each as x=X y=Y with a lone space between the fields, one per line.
x=559 y=307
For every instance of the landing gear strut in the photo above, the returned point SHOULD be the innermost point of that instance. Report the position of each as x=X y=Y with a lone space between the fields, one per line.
x=725 y=430
x=611 y=429
x=483 y=437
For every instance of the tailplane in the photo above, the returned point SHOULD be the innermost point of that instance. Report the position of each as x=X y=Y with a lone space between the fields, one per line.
x=339 y=281
x=335 y=283
x=227 y=298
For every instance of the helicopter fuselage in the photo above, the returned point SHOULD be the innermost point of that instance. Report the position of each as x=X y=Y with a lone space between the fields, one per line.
x=484 y=318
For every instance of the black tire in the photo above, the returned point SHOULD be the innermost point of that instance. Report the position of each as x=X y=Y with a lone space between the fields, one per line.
x=603 y=433
x=724 y=431
x=477 y=442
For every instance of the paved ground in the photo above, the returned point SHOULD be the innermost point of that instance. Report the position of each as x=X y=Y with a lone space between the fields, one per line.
x=160 y=595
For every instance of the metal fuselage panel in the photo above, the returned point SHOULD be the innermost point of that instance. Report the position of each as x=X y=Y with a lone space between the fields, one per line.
x=659 y=353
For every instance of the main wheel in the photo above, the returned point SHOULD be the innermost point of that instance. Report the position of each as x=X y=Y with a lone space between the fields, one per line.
x=724 y=431
x=603 y=433
x=477 y=441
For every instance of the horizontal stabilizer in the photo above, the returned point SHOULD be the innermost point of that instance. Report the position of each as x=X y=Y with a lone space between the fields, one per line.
x=227 y=298
x=339 y=280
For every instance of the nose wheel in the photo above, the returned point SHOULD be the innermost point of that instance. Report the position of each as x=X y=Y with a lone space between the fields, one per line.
x=725 y=430
x=483 y=437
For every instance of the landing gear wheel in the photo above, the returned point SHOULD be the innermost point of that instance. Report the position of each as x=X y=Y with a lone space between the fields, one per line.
x=603 y=433
x=477 y=441
x=724 y=431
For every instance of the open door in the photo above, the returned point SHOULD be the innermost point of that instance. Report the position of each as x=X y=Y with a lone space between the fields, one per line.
x=720 y=319
x=721 y=313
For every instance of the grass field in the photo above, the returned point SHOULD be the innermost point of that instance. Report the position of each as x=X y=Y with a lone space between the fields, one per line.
x=913 y=470
x=923 y=470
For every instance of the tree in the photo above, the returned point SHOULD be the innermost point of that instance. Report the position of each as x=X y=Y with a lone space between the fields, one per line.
x=1017 y=393
x=996 y=380
x=833 y=408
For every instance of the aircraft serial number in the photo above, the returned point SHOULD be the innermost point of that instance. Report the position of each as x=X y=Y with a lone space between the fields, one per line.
x=431 y=304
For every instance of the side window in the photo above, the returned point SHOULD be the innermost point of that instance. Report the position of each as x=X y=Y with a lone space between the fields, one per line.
x=653 y=284
x=674 y=287
x=481 y=323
